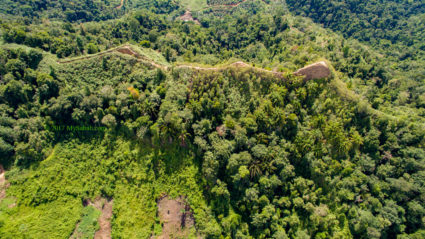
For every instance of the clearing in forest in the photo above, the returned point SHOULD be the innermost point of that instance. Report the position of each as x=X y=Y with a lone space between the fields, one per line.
x=187 y=17
x=176 y=218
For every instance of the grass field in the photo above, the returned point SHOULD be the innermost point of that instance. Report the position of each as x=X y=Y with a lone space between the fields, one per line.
x=194 y=5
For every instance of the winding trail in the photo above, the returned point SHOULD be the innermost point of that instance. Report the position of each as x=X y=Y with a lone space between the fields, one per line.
x=127 y=50
x=238 y=64
x=120 y=6
x=231 y=5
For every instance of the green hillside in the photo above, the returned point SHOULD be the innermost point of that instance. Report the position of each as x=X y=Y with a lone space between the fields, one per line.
x=137 y=123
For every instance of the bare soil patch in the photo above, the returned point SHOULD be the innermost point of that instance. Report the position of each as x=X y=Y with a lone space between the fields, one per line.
x=240 y=64
x=3 y=183
x=176 y=217
x=187 y=17
x=127 y=50
x=105 y=206
x=317 y=70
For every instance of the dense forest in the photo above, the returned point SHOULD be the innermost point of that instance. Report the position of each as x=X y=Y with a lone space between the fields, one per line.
x=372 y=21
x=124 y=104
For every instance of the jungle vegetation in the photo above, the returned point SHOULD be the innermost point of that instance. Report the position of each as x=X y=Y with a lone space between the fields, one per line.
x=256 y=155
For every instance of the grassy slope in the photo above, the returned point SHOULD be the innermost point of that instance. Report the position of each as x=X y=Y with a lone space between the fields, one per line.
x=55 y=219
x=194 y=5
x=79 y=170
x=134 y=175
x=52 y=192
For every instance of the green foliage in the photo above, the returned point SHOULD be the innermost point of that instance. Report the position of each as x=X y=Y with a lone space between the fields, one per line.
x=89 y=223
x=223 y=2
x=56 y=219
x=256 y=153
x=92 y=48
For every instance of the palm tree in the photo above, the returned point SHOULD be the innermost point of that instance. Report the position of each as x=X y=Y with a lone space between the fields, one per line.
x=167 y=130
x=150 y=108
x=255 y=169
x=182 y=137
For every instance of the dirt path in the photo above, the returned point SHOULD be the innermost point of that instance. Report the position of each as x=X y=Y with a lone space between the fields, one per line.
x=313 y=71
x=126 y=50
x=120 y=6
x=105 y=206
x=90 y=56
x=232 y=5
x=239 y=64
x=3 y=183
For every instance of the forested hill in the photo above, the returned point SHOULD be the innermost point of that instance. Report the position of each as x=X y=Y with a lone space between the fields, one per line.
x=374 y=21
x=130 y=122
x=368 y=19
x=394 y=28
x=80 y=10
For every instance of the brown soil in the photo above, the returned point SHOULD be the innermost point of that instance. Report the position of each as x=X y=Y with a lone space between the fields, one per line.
x=176 y=216
x=3 y=186
x=317 y=70
x=121 y=4
x=105 y=206
x=3 y=183
x=240 y=64
x=127 y=50
x=187 y=16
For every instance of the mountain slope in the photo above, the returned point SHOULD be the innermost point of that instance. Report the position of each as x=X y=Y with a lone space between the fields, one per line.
x=145 y=107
